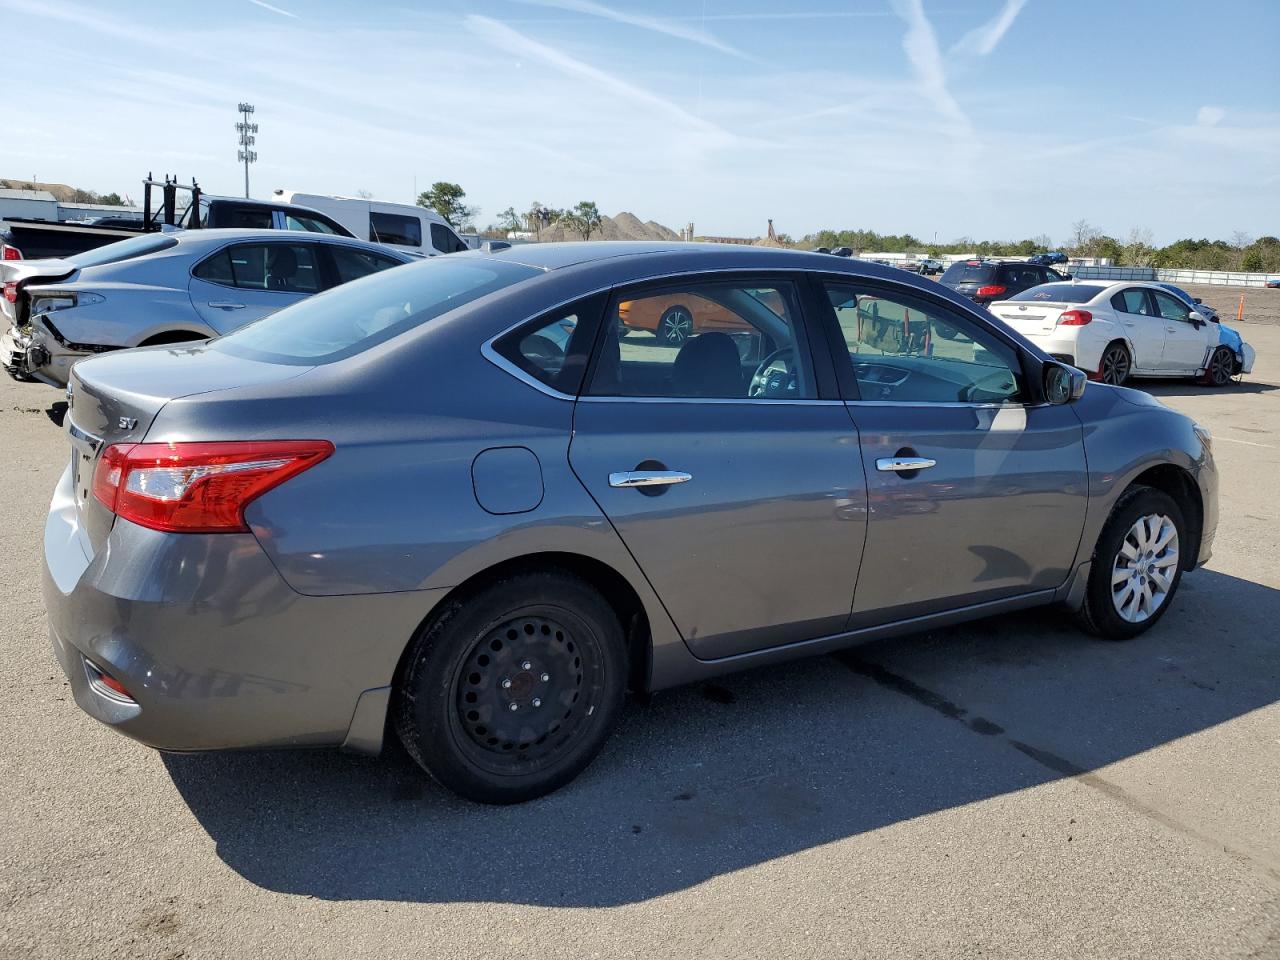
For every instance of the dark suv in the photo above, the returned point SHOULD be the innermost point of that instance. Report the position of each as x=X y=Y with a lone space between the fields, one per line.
x=985 y=280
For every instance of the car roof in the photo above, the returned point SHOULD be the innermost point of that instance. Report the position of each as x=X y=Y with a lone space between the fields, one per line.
x=211 y=236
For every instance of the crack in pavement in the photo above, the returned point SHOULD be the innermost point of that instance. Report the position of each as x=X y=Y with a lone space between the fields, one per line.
x=1264 y=866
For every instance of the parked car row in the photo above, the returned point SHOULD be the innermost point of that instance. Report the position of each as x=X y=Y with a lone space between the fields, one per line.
x=472 y=500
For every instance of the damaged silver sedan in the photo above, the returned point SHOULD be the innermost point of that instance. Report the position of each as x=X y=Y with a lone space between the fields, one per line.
x=164 y=288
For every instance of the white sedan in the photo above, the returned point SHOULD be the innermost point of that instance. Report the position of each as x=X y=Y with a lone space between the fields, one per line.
x=1116 y=330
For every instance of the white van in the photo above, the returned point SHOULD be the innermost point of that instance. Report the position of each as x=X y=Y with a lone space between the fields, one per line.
x=401 y=225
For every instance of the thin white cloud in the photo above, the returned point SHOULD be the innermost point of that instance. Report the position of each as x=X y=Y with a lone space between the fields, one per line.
x=266 y=6
x=670 y=28
x=920 y=44
x=981 y=41
x=1210 y=116
x=514 y=42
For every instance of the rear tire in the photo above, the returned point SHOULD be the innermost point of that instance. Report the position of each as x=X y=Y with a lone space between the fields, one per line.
x=1134 y=575
x=1115 y=365
x=511 y=691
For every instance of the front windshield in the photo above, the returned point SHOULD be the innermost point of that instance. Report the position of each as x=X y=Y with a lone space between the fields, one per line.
x=123 y=250
x=355 y=316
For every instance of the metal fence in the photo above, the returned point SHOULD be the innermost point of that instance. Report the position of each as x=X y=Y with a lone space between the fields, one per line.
x=1225 y=278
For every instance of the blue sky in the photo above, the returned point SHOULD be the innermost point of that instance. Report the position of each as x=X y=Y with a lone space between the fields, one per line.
x=979 y=118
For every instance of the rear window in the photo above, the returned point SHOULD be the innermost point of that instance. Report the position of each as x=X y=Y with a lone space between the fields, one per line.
x=356 y=316
x=1061 y=292
x=123 y=250
x=395 y=228
x=968 y=273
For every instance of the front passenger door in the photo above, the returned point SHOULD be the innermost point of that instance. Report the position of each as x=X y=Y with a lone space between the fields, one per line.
x=1185 y=344
x=976 y=492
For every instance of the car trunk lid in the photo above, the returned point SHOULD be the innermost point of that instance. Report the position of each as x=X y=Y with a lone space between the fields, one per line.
x=1030 y=318
x=115 y=398
x=17 y=275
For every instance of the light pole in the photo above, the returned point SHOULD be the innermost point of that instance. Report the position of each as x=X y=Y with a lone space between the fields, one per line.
x=247 y=131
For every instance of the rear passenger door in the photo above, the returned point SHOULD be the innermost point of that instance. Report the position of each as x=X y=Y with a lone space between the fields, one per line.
x=733 y=481
x=245 y=281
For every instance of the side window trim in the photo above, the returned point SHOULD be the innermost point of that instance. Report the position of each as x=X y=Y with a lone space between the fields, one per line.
x=801 y=326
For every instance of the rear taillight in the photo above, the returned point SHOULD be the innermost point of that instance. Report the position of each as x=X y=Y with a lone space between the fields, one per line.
x=8 y=252
x=991 y=290
x=1074 y=318
x=11 y=291
x=197 y=487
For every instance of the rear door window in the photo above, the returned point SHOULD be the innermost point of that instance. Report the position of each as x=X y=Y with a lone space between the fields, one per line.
x=284 y=267
x=395 y=228
x=243 y=217
x=1134 y=300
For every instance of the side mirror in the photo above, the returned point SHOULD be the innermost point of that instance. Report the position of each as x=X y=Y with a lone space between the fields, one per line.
x=1197 y=319
x=1063 y=384
x=1066 y=276
x=1197 y=300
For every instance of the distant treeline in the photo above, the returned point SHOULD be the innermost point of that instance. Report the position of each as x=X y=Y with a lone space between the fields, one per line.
x=1240 y=253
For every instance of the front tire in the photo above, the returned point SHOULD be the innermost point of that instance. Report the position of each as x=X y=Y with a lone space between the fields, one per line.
x=1222 y=367
x=1137 y=565
x=511 y=691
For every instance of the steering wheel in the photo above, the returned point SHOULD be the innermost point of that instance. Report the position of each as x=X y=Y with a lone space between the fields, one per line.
x=996 y=385
x=778 y=383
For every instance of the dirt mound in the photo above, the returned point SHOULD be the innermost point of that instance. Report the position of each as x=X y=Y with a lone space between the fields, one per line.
x=624 y=226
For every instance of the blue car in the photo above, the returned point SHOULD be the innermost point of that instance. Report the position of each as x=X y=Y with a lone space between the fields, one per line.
x=1048 y=259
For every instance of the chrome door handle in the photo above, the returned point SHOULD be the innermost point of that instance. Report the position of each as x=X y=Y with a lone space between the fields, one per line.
x=648 y=478
x=226 y=305
x=904 y=464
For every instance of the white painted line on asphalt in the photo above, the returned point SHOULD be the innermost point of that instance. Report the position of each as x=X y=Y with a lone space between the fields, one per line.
x=1269 y=446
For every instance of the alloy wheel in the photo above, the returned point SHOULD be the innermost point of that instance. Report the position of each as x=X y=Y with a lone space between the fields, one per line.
x=1115 y=365
x=1144 y=569
x=1221 y=367
x=677 y=326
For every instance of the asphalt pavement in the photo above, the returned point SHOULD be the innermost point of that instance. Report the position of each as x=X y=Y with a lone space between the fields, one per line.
x=1009 y=788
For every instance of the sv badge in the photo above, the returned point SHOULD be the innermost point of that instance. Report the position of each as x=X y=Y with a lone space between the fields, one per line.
x=127 y=423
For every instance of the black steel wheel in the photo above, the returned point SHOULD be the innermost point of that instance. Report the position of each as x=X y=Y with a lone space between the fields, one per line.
x=1116 y=364
x=676 y=326
x=1222 y=367
x=510 y=693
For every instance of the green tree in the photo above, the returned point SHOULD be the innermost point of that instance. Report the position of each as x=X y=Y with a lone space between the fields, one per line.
x=584 y=218
x=446 y=199
x=111 y=200
x=509 y=218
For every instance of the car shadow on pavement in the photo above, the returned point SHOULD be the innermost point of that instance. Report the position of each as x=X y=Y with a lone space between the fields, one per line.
x=710 y=779
x=1189 y=388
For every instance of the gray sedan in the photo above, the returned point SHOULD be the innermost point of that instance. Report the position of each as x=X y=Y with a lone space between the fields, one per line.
x=464 y=502
x=165 y=288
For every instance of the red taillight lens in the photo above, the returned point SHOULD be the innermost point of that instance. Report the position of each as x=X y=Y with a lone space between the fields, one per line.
x=197 y=487
x=1074 y=318
x=991 y=290
x=8 y=252
x=11 y=291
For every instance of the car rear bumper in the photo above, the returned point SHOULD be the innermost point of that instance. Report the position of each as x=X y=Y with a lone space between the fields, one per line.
x=215 y=650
